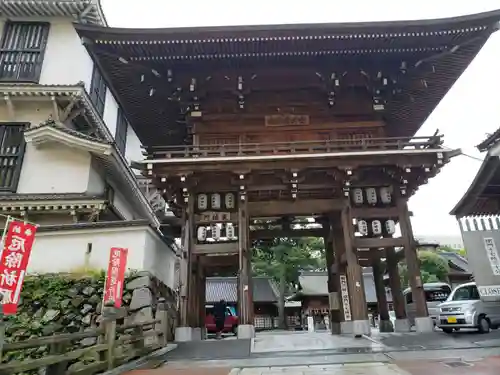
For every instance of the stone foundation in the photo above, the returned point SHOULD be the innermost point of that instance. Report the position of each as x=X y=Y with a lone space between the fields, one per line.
x=423 y=325
x=386 y=326
x=183 y=334
x=361 y=327
x=402 y=325
x=246 y=331
x=346 y=328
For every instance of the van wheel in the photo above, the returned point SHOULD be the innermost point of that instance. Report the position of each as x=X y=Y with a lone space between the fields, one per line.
x=483 y=325
x=447 y=330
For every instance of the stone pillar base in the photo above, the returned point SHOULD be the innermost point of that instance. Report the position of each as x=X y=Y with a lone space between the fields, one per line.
x=402 y=325
x=246 y=331
x=197 y=334
x=385 y=326
x=183 y=334
x=361 y=327
x=424 y=324
x=346 y=328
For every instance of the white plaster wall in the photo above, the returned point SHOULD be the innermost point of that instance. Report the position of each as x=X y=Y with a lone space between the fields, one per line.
x=159 y=259
x=133 y=151
x=66 y=60
x=110 y=113
x=65 y=251
x=121 y=204
x=54 y=170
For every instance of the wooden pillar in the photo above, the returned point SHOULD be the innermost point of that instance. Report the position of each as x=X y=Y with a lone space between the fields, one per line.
x=245 y=312
x=395 y=284
x=385 y=324
x=185 y=262
x=201 y=301
x=412 y=261
x=329 y=258
x=354 y=276
x=343 y=313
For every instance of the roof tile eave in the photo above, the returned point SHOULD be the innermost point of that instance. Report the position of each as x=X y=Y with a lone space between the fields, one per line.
x=462 y=21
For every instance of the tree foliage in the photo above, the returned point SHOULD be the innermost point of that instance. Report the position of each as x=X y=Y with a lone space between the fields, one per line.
x=433 y=268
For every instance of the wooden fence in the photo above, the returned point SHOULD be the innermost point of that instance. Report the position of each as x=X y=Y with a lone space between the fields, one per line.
x=111 y=350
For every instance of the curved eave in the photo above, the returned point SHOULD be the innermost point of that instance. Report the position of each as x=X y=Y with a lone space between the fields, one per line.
x=45 y=135
x=253 y=31
x=467 y=204
x=89 y=11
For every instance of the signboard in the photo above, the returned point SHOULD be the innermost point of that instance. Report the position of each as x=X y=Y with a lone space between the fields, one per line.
x=492 y=254
x=286 y=120
x=17 y=244
x=489 y=291
x=344 y=292
x=113 y=289
x=214 y=217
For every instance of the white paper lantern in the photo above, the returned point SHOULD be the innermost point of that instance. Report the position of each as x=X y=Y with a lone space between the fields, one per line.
x=201 y=233
x=229 y=200
x=362 y=227
x=216 y=229
x=215 y=200
x=371 y=195
x=390 y=227
x=230 y=231
x=202 y=201
x=357 y=195
x=385 y=195
x=377 y=227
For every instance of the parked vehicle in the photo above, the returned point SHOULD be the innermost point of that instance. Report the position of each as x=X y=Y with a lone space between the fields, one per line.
x=465 y=309
x=230 y=322
x=435 y=293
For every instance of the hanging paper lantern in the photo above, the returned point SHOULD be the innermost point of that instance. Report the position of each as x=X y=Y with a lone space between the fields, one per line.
x=376 y=227
x=362 y=227
x=390 y=227
x=202 y=201
x=201 y=233
x=215 y=200
x=357 y=195
x=230 y=231
x=385 y=195
x=229 y=201
x=216 y=231
x=371 y=195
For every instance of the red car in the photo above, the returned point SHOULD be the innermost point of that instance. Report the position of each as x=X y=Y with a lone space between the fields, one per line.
x=230 y=323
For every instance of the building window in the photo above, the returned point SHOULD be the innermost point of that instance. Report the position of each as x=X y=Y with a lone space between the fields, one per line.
x=98 y=90
x=22 y=50
x=121 y=131
x=11 y=155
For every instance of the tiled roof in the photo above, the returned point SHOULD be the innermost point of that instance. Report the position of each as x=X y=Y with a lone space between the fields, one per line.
x=226 y=288
x=315 y=284
x=52 y=124
x=47 y=197
x=457 y=260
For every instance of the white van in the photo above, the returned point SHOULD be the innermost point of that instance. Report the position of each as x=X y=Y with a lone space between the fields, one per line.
x=435 y=294
x=465 y=309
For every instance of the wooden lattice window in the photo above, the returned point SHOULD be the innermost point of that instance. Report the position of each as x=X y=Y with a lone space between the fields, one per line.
x=22 y=51
x=121 y=131
x=98 y=90
x=12 y=147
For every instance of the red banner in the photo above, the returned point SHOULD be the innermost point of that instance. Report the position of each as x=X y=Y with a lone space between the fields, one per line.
x=14 y=260
x=113 y=289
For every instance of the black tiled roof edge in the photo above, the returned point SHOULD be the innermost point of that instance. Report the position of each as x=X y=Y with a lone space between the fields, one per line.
x=48 y=197
x=93 y=225
x=75 y=133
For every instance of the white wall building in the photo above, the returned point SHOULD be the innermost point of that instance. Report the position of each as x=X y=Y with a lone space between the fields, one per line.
x=66 y=146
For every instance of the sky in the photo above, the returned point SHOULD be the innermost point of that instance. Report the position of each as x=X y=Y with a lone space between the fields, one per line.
x=470 y=110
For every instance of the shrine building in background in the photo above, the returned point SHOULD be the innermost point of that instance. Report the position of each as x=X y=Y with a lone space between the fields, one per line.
x=249 y=131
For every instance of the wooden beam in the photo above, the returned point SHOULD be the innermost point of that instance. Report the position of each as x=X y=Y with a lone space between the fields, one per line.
x=368 y=243
x=306 y=207
x=292 y=233
x=216 y=248
x=175 y=166
x=375 y=212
